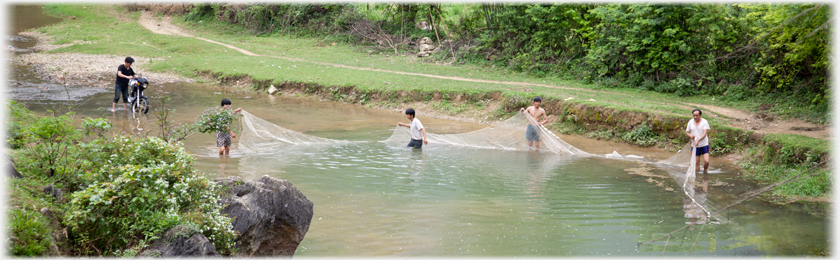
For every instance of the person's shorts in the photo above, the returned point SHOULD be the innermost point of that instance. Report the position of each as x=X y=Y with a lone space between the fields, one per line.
x=531 y=134
x=222 y=139
x=416 y=143
x=701 y=150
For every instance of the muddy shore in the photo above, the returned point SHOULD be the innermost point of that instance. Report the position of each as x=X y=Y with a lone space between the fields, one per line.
x=99 y=71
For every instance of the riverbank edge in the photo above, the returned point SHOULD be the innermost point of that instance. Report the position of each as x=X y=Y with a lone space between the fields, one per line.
x=565 y=116
x=568 y=117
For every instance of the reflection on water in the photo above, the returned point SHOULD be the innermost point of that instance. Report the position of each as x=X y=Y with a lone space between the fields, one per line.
x=372 y=199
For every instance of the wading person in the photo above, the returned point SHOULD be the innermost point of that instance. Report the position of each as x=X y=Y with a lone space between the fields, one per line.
x=536 y=112
x=698 y=129
x=124 y=73
x=416 y=128
x=223 y=138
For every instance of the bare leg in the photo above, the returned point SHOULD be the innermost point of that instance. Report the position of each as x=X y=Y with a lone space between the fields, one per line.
x=697 y=165
x=705 y=162
x=227 y=150
x=114 y=107
x=537 y=145
x=221 y=150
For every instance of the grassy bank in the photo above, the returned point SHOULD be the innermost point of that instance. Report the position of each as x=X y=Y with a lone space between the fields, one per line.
x=369 y=76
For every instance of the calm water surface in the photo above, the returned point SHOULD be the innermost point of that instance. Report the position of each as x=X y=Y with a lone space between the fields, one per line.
x=372 y=199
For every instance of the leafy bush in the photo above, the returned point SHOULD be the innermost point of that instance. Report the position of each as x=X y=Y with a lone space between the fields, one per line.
x=48 y=145
x=515 y=102
x=123 y=190
x=151 y=187
x=19 y=117
x=215 y=119
x=96 y=126
x=641 y=135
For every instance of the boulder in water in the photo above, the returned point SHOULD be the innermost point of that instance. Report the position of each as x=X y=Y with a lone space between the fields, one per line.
x=271 y=215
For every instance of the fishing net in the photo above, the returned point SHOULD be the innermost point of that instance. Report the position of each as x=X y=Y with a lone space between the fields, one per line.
x=507 y=135
x=682 y=158
x=259 y=135
x=694 y=207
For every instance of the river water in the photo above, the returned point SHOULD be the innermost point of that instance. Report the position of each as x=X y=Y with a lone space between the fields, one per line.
x=376 y=200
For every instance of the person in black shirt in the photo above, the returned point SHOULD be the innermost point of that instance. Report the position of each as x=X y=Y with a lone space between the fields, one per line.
x=124 y=73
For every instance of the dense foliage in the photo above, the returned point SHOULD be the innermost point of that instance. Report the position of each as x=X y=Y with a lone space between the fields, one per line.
x=121 y=192
x=755 y=52
x=215 y=119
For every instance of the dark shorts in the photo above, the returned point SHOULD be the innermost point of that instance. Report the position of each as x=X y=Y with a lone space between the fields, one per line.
x=117 y=90
x=222 y=139
x=701 y=150
x=416 y=143
x=531 y=134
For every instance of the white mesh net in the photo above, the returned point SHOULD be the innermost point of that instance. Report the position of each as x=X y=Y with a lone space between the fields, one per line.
x=507 y=135
x=685 y=158
x=259 y=135
x=682 y=158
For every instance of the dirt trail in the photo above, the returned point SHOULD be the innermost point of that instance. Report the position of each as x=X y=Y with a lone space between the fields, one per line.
x=757 y=122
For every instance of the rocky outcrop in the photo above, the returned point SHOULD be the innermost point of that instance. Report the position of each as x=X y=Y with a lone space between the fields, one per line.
x=426 y=46
x=181 y=241
x=12 y=170
x=271 y=215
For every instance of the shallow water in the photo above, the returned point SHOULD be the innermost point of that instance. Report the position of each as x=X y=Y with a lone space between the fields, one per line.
x=372 y=199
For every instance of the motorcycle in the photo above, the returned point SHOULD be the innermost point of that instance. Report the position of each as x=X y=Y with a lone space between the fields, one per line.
x=138 y=102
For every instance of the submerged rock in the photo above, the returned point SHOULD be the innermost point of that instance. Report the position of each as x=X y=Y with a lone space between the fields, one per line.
x=271 y=215
x=181 y=241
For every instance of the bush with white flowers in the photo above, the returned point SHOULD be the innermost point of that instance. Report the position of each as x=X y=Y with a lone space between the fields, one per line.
x=144 y=187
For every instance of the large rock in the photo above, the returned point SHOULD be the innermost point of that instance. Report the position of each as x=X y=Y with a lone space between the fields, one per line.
x=181 y=241
x=271 y=215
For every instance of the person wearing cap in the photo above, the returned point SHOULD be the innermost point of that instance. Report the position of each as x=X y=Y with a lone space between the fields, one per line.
x=124 y=73
x=417 y=128
x=698 y=129
x=536 y=112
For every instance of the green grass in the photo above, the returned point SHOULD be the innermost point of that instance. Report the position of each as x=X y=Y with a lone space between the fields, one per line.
x=31 y=231
x=184 y=56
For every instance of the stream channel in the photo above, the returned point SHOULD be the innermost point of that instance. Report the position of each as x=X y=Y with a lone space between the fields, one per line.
x=377 y=200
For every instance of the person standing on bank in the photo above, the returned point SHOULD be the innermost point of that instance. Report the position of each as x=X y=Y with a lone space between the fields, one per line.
x=124 y=73
x=536 y=112
x=416 y=127
x=698 y=130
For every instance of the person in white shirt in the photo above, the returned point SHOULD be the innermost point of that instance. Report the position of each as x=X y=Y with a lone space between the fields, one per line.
x=698 y=130
x=417 y=141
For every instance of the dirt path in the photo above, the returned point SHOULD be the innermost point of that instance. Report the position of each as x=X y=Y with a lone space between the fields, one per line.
x=736 y=118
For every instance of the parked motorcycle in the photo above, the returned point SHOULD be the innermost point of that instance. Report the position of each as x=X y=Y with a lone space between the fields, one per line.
x=139 y=102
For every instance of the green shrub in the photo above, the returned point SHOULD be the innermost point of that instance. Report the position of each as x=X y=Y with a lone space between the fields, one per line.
x=215 y=119
x=154 y=188
x=641 y=135
x=18 y=118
